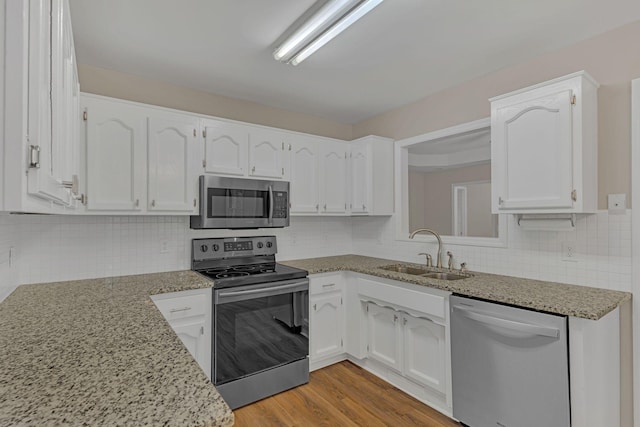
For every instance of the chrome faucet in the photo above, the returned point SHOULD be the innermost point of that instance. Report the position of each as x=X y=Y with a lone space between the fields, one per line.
x=429 y=262
x=450 y=262
x=428 y=230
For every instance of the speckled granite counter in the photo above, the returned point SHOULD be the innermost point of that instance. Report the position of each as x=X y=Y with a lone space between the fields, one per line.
x=98 y=352
x=560 y=298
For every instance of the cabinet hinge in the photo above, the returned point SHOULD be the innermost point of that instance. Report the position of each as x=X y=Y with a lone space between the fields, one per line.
x=574 y=195
x=573 y=100
x=84 y=116
x=204 y=163
x=34 y=156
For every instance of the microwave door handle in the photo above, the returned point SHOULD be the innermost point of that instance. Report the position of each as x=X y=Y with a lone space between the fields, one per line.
x=270 y=204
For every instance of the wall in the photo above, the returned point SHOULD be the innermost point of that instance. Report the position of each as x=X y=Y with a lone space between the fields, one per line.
x=105 y=82
x=432 y=191
x=610 y=58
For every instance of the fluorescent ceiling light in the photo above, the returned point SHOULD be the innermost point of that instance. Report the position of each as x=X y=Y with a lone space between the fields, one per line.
x=302 y=45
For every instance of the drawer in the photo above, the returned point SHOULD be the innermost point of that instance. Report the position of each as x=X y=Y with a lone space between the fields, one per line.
x=422 y=301
x=324 y=284
x=178 y=306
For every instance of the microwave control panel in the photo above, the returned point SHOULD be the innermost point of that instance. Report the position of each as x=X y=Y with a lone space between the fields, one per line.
x=280 y=204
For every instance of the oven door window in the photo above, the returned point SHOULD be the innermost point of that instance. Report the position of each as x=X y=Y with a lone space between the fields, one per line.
x=257 y=334
x=234 y=203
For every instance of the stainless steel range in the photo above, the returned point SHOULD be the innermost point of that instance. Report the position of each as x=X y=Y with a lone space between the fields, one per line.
x=260 y=343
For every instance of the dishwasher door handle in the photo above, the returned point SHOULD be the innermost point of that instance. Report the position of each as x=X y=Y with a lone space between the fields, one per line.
x=525 y=328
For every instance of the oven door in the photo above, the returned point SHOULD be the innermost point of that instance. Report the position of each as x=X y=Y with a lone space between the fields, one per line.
x=259 y=327
x=242 y=203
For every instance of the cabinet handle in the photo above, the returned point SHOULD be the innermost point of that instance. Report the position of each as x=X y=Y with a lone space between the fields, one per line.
x=282 y=171
x=364 y=208
x=253 y=169
x=325 y=207
x=500 y=201
x=329 y=285
x=314 y=307
x=194 y=133
x=201 y=330
x=395 y=318
x=153 y=203
x=404 y=321
x=289 y=147
x=194 y=203
x=137 y=203
x=317 y=207
x=176 y=310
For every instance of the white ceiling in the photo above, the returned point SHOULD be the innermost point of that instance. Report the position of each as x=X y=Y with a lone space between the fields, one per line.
x=400 y=52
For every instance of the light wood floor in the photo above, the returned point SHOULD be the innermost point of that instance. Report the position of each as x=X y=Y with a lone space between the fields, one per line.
x=341 y=395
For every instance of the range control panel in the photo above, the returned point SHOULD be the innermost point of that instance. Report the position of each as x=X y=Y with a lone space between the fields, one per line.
x=233 y=247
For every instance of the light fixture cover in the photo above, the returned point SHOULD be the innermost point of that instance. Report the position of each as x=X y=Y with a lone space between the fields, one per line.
x=340 y=13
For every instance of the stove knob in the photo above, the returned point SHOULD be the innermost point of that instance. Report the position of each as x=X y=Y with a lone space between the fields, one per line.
x=260 y=245
x=216 y=247
x=204 y=248
x=269 y=244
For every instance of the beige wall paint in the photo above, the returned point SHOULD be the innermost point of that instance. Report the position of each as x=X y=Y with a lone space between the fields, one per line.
x=611 y=58
x=105 y=82
x=430 y=196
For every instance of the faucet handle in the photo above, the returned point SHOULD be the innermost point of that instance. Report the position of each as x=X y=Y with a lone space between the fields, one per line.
x=450 y=262
x=463 y=267
x=429 y=259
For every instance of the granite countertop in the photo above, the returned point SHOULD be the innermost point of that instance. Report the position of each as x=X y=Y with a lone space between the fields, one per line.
x=571 y=300
x=98 y=352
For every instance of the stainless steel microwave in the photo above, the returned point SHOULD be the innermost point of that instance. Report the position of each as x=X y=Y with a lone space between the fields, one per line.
x=242 y=203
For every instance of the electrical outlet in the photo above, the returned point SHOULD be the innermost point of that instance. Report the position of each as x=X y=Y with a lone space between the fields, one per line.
x=617 y=204
x=164 y=247
x=569 y=251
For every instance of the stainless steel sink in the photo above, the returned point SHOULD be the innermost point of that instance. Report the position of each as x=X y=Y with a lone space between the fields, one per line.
x=444 y=276
x=425 y=272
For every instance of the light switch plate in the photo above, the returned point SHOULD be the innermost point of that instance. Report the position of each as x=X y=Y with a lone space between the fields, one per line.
x=617 y=204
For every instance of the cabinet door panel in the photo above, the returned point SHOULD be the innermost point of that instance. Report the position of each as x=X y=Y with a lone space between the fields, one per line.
x=333 y=183
x=326 y=326
x=172 y=152
x=226 y=148
x=361 y=178
x=385 y=336
x=266 y=152
x=304 y=176
x=192 y=335
x=425 y=353
x=533 y=153
x=116 y=139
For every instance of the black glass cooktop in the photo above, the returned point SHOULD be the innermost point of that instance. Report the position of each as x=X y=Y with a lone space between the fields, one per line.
x=250 y=274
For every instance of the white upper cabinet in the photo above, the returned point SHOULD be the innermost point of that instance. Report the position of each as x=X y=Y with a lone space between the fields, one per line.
x=544 y=147
x=333 y=177
x=304 y=174
x=116 y=139
x=174 y=163
x=267 y=153
x=225 y=148
x=54 y=121
x=372 y=176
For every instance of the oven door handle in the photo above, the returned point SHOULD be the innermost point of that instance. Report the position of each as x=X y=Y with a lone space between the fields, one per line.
x=270 y=204
x=231 y=296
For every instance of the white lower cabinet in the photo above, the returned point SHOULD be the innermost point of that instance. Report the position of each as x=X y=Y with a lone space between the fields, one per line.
x=189 y=315
x=412 y=346
x=326 y=320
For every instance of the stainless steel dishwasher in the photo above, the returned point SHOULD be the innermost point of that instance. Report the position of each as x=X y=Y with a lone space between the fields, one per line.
x=509 y=366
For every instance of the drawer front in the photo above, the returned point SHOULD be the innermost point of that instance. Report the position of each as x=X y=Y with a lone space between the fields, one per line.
x=180 y=307
x=417 y=300
x=325 y=284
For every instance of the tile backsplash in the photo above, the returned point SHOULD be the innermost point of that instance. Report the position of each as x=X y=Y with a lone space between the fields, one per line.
x=49 y=248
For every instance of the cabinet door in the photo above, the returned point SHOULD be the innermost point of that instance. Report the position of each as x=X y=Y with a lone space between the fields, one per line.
x=385 y=336
x=225 y=148
x=425 y=352
x=333 y=178
x=45 y=176
x=326 y=324
x=192 y=333
x=266 y=154
x=174 y=163
x=532 y=152
x=304 y=176
x=116 y=146
x=361 y=178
